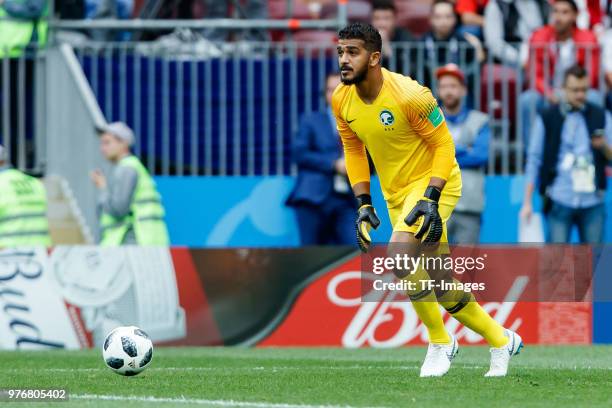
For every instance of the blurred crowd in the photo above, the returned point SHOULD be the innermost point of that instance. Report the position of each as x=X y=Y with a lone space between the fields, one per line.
x=559 y=53
x=544 y=37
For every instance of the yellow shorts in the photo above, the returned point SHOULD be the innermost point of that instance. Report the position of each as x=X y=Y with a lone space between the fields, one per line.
x=448 y=200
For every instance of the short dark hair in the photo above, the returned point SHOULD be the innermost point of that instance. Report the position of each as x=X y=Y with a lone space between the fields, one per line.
x=452 y=6
x=572 y=4
x=362 y=31
x=384 y=5
x=449 y=2
x=576 y=71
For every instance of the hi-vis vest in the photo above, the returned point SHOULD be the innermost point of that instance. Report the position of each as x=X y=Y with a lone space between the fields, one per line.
x=23 y=210
x=146 y=215
x=17 y=33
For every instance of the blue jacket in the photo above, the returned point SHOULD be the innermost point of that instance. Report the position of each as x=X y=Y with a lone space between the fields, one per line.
x=315 y=149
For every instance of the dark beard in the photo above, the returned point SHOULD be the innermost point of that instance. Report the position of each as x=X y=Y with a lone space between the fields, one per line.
x=454 y=106
x=359 y=77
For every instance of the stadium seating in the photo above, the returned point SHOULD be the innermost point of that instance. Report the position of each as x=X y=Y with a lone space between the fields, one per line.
x=314 y=37
x=358 y=10
x=277 y=9
x=500 y=77
x=413 y=15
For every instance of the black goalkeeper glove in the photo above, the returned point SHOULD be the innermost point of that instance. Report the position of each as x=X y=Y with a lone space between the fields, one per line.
x=428 y=209
x=366 y=220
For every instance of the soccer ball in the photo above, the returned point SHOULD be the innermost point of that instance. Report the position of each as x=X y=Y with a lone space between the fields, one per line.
x=127 y=350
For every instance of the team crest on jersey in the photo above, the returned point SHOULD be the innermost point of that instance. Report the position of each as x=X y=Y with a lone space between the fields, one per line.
x=386 y=117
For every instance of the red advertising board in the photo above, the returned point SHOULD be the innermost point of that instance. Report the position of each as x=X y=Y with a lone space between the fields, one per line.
x=330 y=312
x=71 y=297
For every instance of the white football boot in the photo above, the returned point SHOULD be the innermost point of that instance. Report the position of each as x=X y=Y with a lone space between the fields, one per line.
x=500 y=356
x=439 y=357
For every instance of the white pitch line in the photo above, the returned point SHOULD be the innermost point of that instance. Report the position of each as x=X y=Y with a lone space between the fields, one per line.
x=290 y=368
x=197 y=401
x=272 y=368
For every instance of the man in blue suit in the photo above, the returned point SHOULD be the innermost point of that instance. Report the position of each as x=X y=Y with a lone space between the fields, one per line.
x=322 y=197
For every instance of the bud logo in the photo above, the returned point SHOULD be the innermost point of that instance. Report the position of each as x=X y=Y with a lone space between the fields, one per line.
x=389 y=308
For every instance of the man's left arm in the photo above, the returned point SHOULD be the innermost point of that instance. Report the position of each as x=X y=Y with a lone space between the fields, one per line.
x=592 y=63
x=428 y=121
x=476 y=155
x=603 y=143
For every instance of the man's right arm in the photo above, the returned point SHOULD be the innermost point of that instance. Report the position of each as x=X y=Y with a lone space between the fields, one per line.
x=117 y=200
x=358 y=171
x=493 y=31
x=534 y=162
x=357 y=166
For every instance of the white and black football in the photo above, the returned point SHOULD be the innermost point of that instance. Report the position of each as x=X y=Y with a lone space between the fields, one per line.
x=127 y=350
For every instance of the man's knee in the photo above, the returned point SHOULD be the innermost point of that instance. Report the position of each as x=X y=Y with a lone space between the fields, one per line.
x=405 y=246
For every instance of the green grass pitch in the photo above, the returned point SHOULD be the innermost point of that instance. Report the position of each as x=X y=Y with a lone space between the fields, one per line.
x=559 y=376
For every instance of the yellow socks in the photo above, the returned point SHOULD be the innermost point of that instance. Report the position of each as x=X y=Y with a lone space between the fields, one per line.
x=427 y=308
x=463 y=307
x=475 y=317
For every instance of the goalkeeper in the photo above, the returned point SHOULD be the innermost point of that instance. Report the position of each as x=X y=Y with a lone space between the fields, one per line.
x=403 y=129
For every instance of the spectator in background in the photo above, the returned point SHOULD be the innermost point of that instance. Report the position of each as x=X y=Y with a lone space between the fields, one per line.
x=384 y=19
x=552 y=50
x=444 y=44
x=315 y=7
x=23 y=208
x=509 y=23
x=22 y=23
x=472 y=16
x=129 y=205
x=113 y=9
x=322 y=197
x=470 y=131
x=23 y=30
x=569 y=150
x=255 y=9
x=607 y=65
x=70 y=9
x=590 y=15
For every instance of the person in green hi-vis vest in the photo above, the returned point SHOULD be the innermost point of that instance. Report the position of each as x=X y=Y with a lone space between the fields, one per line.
x=23 y=23
x=23 y=208
x=129 y=204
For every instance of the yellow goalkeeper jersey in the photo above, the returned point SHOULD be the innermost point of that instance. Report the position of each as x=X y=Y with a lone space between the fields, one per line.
x=403 y=130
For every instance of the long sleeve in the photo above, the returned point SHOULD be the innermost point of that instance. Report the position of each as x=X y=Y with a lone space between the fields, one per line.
x=305 y=155
x=476 y=155
x=493 y=31
x=541 y=59
x=117 y=199
x=607 y=52
x=592 y=53
x=26 y=9
x=608 y=128
x=428 y=121
x=534 y=154
x=357 y=165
